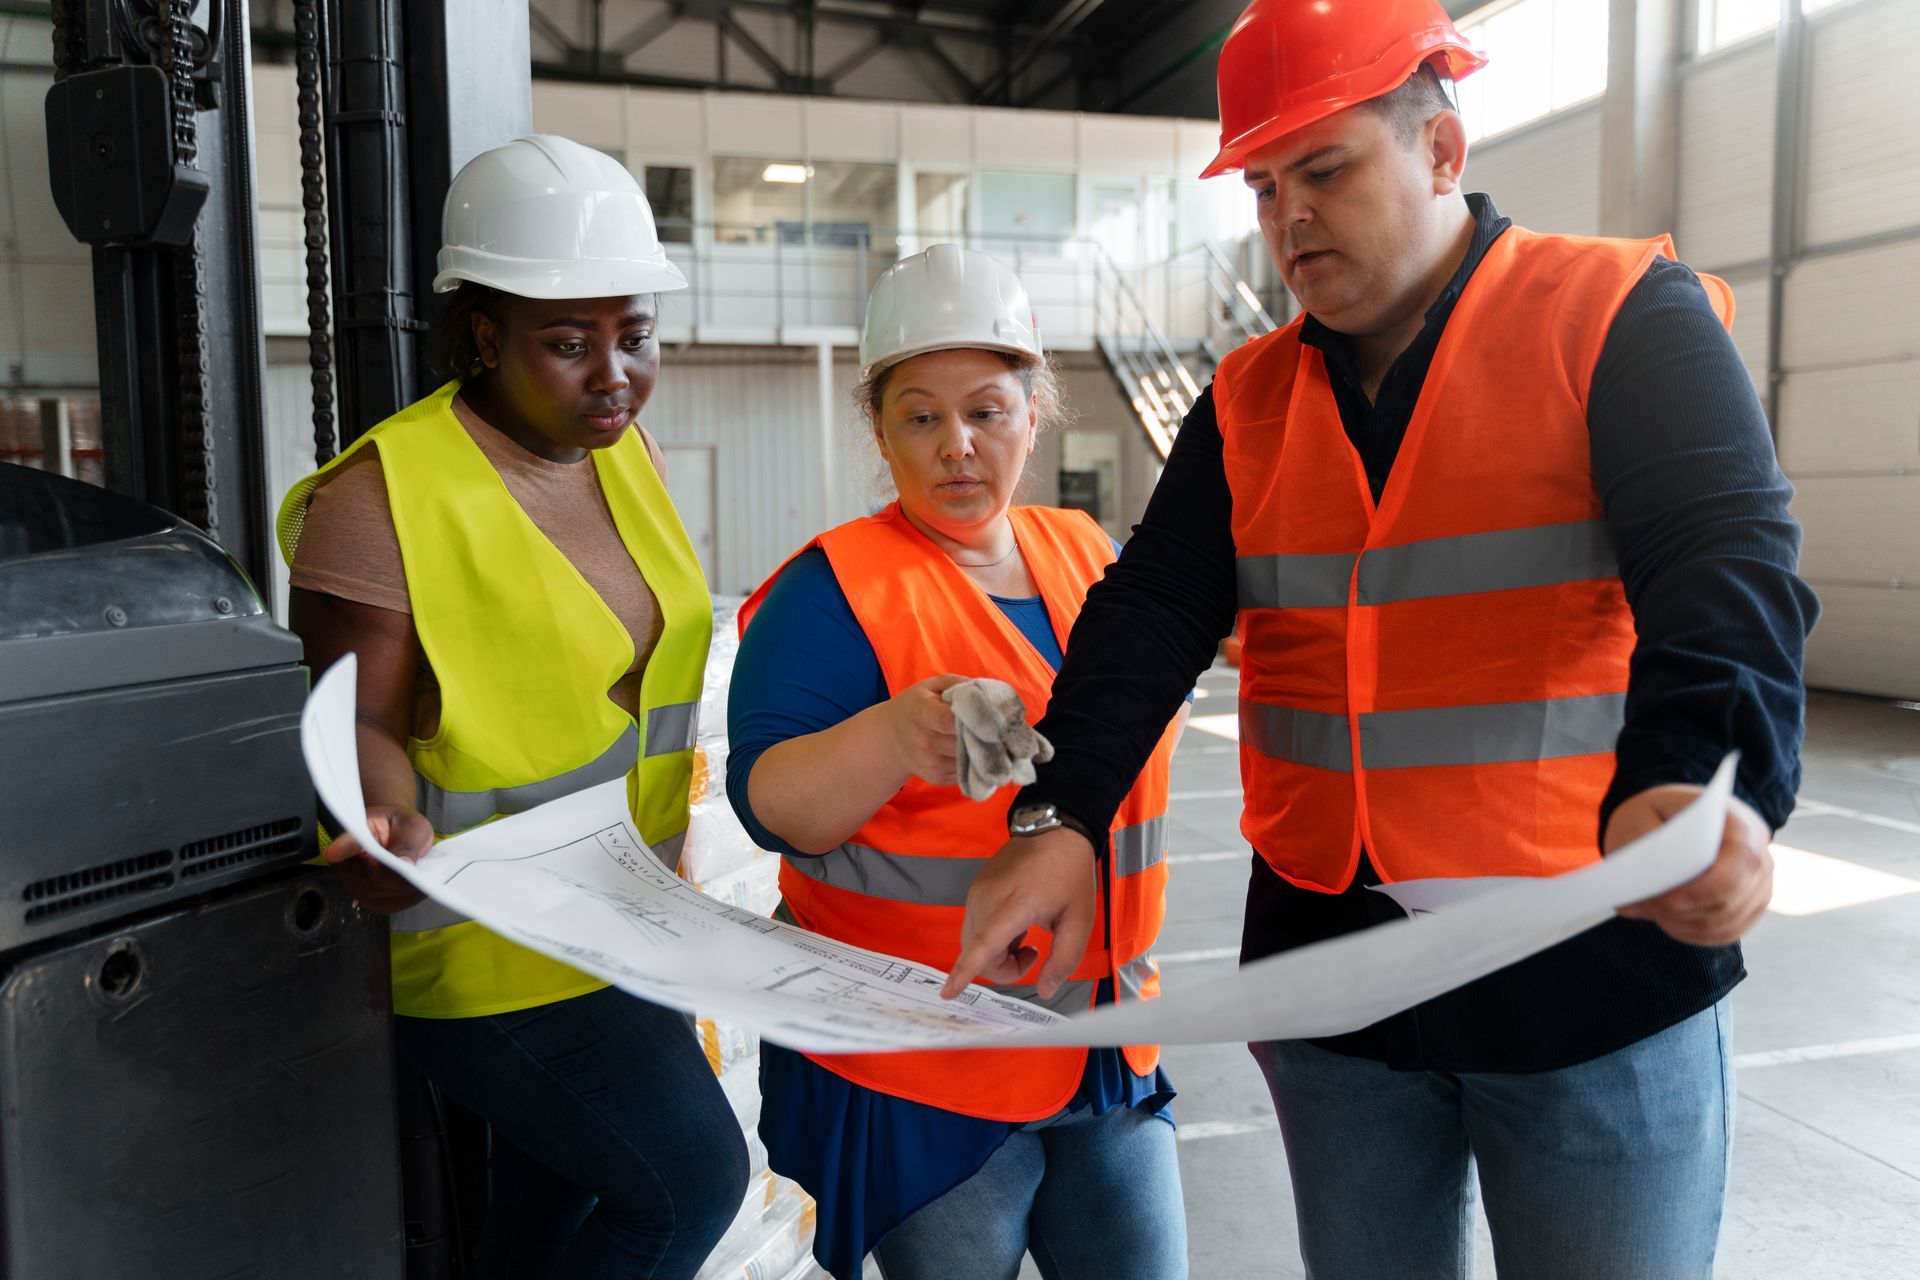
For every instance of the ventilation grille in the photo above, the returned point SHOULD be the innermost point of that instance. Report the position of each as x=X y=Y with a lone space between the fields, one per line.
x=77 y=890
x=239 y=848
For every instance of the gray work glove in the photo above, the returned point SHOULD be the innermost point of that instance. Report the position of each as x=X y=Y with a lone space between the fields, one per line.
x=997 y=745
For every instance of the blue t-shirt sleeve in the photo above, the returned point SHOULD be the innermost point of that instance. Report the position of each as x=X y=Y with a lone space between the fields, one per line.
x=804 y=665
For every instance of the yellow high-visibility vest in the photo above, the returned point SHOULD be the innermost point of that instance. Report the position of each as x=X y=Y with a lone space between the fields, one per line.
x=525 y=652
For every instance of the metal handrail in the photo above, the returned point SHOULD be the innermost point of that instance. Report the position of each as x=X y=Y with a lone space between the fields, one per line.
x=1240 y=289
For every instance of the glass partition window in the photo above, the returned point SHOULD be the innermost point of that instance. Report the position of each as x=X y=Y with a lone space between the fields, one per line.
x=853 y=206
x=748 y=208
x=827 y=203
x=1116 y=223
x=670 y=193
x=1544 y=55
x=1026 y=211
x=940 y=207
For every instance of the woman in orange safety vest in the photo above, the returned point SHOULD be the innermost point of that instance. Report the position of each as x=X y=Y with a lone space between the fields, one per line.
x=948 y=1163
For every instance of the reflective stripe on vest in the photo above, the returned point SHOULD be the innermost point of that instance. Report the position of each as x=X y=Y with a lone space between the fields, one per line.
x=452 y=811
x=1503 y=560
x=1490 y=733
x=943 y=882
x=1134 y=974
x=671 y=727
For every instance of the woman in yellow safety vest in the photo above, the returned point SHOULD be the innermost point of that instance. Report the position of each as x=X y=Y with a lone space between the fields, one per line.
x=949 y=1165
x=530 y=620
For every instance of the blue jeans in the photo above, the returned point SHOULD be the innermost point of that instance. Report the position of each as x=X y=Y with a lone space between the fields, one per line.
x=1093 y=1198
x=1615 y=1169
x=614 y=1152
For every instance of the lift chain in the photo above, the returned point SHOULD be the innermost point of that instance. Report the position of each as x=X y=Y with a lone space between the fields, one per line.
x=197 y=490
x=66 y=40
x=313 y=199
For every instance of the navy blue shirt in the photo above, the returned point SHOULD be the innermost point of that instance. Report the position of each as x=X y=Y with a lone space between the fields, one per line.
x=868 y=1159
x=1684 y=466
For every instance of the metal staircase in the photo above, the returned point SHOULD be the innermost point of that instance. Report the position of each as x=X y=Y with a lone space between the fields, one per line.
x=1159 y=376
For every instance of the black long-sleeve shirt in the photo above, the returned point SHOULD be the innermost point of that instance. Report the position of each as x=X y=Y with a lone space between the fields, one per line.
x=1697 y=508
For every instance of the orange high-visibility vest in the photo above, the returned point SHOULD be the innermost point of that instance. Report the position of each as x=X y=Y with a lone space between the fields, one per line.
x=900 y=884
x=1440 y=679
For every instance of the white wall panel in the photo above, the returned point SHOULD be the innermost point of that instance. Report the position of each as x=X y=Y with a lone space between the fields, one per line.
x=1199 y=141
x=862 y=131
x=286 y=403
x=937 y=137
x=1854 y=419
x=755 y=125
x=1863 y=150
x=1545 y=177
x=276 y=140
x=1853 y=308
x=1129 y=147
x=1044 y=140
x=1751 y=325
x=1726 y=158
x=1860 y=529
x=660 y=125
x=760 y=410
x=1865 y=641
x=590 y=114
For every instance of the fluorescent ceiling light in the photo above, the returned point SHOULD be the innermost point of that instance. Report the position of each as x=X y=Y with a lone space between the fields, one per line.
x=785 y=173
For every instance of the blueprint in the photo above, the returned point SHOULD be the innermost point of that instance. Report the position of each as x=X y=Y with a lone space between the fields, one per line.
x=573 y=879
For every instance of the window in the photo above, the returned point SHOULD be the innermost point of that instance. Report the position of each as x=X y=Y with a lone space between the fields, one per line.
x=670 y=193
x=940 y=206
x=1543 y=56
x=748 y=206
x=854 y=206
x=828 y=204
x=1030 y=212
x=1722 y=22
x=1115 y=223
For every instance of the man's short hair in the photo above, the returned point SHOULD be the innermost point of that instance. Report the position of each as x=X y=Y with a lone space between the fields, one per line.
x=1420 y=97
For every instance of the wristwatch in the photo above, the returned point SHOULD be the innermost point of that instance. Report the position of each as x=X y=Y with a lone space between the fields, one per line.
x=1032 y=819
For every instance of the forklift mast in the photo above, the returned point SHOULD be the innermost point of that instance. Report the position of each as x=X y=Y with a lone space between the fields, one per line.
x=150 y=148
x=198 y=1075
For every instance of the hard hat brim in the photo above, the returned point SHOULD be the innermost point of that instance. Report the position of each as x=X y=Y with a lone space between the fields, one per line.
x=959 y=344
x=565 y=279
x=1336 y=96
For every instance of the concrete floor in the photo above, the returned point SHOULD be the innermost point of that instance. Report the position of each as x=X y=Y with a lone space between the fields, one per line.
x=1826 y=1177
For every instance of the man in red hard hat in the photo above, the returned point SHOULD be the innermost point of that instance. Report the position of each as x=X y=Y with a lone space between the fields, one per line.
x=1500 y=524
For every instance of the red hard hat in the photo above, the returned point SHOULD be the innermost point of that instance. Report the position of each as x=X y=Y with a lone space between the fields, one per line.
x=1288 y=63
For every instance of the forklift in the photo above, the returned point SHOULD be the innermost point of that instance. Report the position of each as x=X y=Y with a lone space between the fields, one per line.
x=197 y=1074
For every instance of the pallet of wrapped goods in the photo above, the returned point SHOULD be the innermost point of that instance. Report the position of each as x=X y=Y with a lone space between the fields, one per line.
x=781 y=1246
x=754 y=887
x=741 y=1084
x=726 y=1044
x=716 y=844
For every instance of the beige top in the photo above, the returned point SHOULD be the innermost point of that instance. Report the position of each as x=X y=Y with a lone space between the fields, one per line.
x=348 y=547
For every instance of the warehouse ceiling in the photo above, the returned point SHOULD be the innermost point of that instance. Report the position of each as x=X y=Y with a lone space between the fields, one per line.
x=1140 y=56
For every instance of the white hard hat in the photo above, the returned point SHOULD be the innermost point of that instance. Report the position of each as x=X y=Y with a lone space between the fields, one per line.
x=545 y=217
x=946 y=298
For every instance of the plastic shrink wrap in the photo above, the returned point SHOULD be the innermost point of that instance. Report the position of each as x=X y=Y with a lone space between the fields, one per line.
x=772 y=1236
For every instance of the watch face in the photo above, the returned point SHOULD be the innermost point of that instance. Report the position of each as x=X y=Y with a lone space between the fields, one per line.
x=1032 y=817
